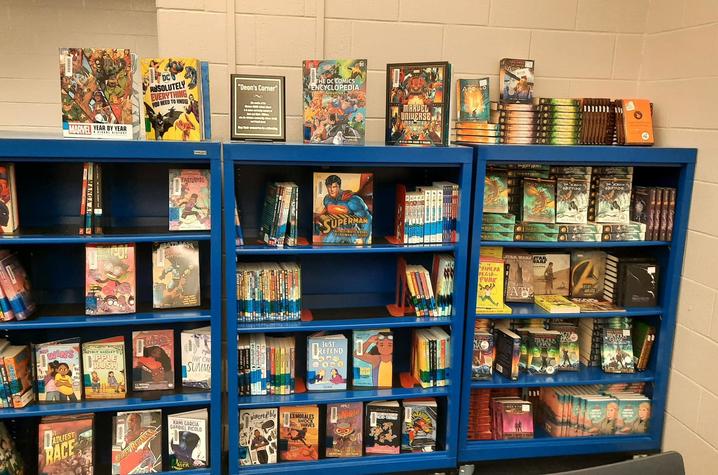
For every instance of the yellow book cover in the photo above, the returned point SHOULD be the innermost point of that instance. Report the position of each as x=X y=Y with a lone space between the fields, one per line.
x=556 y=304
x=491 y=251
x=490 y=294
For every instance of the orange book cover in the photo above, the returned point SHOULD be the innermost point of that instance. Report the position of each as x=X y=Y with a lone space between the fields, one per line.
x=299 y=433
x=638 y=121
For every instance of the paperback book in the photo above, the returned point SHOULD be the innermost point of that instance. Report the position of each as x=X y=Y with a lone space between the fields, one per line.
x=617 y=351
x=519 y=285
x=65 y=445
x=472 y=100
x=613 y=200
x=588 y=270
x=15 y=286
x=258 y=436
x=175 y=274
x=496 y=193
x=343 y=206
x=153 y=360
x=516 y=79
x=57 y=365
x=572 y=200
x=11 y=462
x=17 y=375
x=137 y=442
x=187 y=440
x=372 y=358
x=197 y=358
x=298 y=433
x=382 y=428
x=419 y=426
x=552 y=274
x=543 y=352
x=326 y=362
x=9 y=218
x=103 y=365
x=539 y=201
x=344 y=429
x=482 y=361
x=110 y=279
x=189 y=200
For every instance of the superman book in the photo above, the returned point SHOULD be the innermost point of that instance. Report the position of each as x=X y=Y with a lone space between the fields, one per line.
x=343 y=206
x=57 y=366
x=187 y=439
x=189 y=200
x=110 y=279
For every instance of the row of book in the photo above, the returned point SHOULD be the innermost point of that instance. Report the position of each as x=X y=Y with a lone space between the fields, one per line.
x=16 y=302
x=428 y=214
x=269 y=291
x=280 y=215
x=421 y=285
x=353 y=429
x=617 y=345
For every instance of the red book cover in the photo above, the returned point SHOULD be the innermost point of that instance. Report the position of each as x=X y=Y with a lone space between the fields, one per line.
x=153 y=360
x=65 y=445
x=298 y=433
x=344 y=429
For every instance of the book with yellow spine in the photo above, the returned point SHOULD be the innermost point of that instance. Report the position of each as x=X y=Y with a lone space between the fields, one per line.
x=556 y=304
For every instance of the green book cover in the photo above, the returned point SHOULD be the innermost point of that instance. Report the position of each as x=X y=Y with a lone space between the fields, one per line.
x=539 y=201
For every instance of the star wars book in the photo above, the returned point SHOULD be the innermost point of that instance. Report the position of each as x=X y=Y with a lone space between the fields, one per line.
x=153 y=360
x=187 y=440
x=613 y=200
x=419 y=426
x=634 y=414
x=298 y=433
x=617 y=351
x=382 y=426
x=588 y=269
x=137 y=442
x=551 y=274
x=326 y=362
x=418 y=103
x=539 y=201
x=103 y=366
x=543 y=352
x=172 y=94
x=12 y=462
x=197 y=358
x=96 y=93
x=639 y=282
x=189 y=200
x=65 y=445
x=496 y=193
x=110 y=279
x=175 y=274
x=572 y=200
x=472 y=100
x=516 y=79
x=57 y=366
x=9 y=218
x=343 y=206
x=344 y=429
x=334 y=101
x=372 y=358
x=258 y=436
x=519 y=285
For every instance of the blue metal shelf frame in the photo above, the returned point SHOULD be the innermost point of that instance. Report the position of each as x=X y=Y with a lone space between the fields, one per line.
x=185 y=153
x=369 y=157
x=682 y=161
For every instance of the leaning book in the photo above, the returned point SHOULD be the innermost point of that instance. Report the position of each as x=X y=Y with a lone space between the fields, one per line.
x=110 y=279
x=258 y=433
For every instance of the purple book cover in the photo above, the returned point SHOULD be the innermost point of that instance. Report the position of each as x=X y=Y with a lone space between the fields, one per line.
x=517 y=420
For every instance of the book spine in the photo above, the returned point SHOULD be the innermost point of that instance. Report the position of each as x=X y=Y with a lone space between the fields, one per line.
x=14 y=300
x=205 y=104
x=90 y=204
x=663 y=233
x=400 y=215
x=98 y=199
x=671 y=214
x=7 y=402
x=651 y=214
x=83 y=199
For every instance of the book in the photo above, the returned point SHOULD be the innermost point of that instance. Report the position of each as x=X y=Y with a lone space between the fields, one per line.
x=16 y=286
x=596 y=306
x=189 y=200
x=197 y=358
x=588 y=270
x=643 y=335
x=175 y=274
x=258 y=434
x=508 y=352
x=343 y=204
x=66 y=444
x=515 y=419
x=12 y=461
x=110 y=279
x=417 y=110
x=496 y=193
x=490 y=293
x=153 y=360
x=188 y=440
x=431 y=351
x=516 y=79
x=569 y=351
x=551 y=274
x=57 y=366
x=344 y=429
x=103 y=366
x=613 y=200
x=279 y=216
x=382 y=425
x=572 y=196
x=334 y=92
x=543 y=351
x=617 y=351
x=17 y=375
x=519 y=285
x=173 y=99
x=472 y=100
x=419 y=425
x=137 y=442
x=9 y=218
x=254 y=305
x=556 y=304
x=539 y=201
x=372 y=358
x=637 y=121
x=298 y=433
x=482 y=361
x=96 y=93
x=639 y=284
x=326 y=362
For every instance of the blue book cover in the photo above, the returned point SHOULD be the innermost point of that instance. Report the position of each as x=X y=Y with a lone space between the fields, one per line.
x=206 y=112
x=326 y=362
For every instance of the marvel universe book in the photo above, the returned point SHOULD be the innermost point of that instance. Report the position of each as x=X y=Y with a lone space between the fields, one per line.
x=419 y=425
x=187 y=440
x=344 y=429
x=57 y=366
x=189 y=201
x=110 y=279
x=326 y=362
x=153 y=360
x=258 y=436
x=103 y=366
x=137 y=442
x=343 y=206
x=588 y=270
x=175 y=274
x=298 y=433
x=551 y=274
x=472 y=100
x=382 y=426
x=65 y=445
x=197 y=358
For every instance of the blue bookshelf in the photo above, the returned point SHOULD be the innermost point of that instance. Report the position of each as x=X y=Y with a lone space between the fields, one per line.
x=346 y=287
x=653 y=167
x=49 y=180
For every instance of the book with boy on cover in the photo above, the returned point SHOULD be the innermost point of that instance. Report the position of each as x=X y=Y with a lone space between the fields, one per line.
x=516 y=79
x=372 y=356
x=9 y=218
x=137 y=442
x=343 y=205
x=298 y=433
x=539 y=201
x=187 y=439
x=197 y=358
x=65 y=444
x=572 y=196
x=189 y=200
x=175 y=274
x=258 y=435
x=617 y=351
x=110 y=279
x=382 y=428
x=11 y=462
x=419 y=427
x=472 y=100
x=57 y=366
x=326 y=362
x=103 y=366
x=552 y=274
x=334 y=101
x=153 y=360
x=344 y=429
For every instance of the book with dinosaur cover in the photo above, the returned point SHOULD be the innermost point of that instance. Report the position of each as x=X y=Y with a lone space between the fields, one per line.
x=343 y=206
x=344 y=429
x=189 y=200
x=175 y=274
x=258 y=434
x=472 y=100
x=188 y=439
x=103 y=366
x=298 y=433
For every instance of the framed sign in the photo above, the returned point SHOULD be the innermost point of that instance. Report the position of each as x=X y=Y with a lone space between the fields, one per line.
x=258 y=108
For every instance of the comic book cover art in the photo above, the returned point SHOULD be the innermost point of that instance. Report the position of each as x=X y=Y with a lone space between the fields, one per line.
x=516 y=78
x=172 y=95
x=103 y=366
x=419 y=426
x=551 y=274
x=496 y=193
x=189 y=202
x=258 y=436
x=344 y=429
x=11 y=462
x=57 y=366
x=175 y=274
x=298 y=433
x=418 y=103
x=490 y=292
x=588 y=271
x=65 y=445
x=472 y=100
x=110 y=279
x=9 y=219
x=568 y=348
x=197 y=358
x=153 y=360
x=187 y=439
x=614 y=200
x=137 y=442
x=543 y=352
x=326 y=362
x=617 y=351
x=382 y=428
x=343 y=206
x=96 y=93
x=572 y=200
x=373 y=358
x=539 y=201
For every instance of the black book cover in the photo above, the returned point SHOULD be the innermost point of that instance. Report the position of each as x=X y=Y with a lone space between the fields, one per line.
x=382 y=427
x=640 y=284
x=508 y=352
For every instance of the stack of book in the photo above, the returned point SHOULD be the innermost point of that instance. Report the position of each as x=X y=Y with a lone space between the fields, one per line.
x=610 y=195
x=442 y=278
x=559 y=121
x=654 y=208
x=280 y=215
x=431 y=356
x=268 y=291
x=631 y=281
x=634 y=122
x=498 y=227
x=476 y=132
x=266 y=365
x=16 y=302
x=511 y=418
x=427 y=214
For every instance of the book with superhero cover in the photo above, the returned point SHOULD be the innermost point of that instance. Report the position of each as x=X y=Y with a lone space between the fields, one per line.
x=15 y=286
x=110 y=279
x=516 y=79
x=153 y=360
x=372 y=358
x=418 y=103
x=57 y=366
x=172 y=95
x=326 y=362
x=11 y=462
x=65 y=444
x=334 y=101
x=588 y=271
x=552 y=274
x=96 y=93
x=472 y=100
x=344 y=429
x=543 y=351
x=382 y=428
x=175 y=274
x=258 y=434
x=189 y=201
x=617 y=351
x=419 y=426
x=298 y=433
x=496 y=193
x=137 y=442
x=516 y=419
x=103 y=366
x=9 y=218
x=187 y=440
x=613 y=200
x=343 y=206
x=519 y=285
x=539 y=201
x=482 y=361
x=197 y=358
x=572 y=200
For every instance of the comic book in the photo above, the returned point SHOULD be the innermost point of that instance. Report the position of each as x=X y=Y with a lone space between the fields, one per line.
x=516 y=79
x=382 y=428
x=344 y=429
x=326 y=362
x=258 y=436
x=189 y=201
x=110 y=279
x=65 y=445
x=418 y=103
x=197 y=358
x=11 y=462
x=57 y=366
x=588 y=269
x=137 y=442
x=187 y=440
x=298 y=433
x=539 y=201
x=372 y=358
x=419 y=427
x=334 y=101
x=519 y=285
x=9 y=219
x=617 y=351
x=172 y=94
x=175 y=274
x=496 y=193
x=96 y=93
x=472 y=100
x=153 y=360
x=572 y=200
x=552 y=274
x=103 y=366
x=343 y=206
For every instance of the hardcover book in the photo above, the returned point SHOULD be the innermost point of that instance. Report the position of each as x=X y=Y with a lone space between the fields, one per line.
x=258 y=434
x=617 y=351
x=15 y=286
x=516 y=79
x=103 y=366
x=9 y=218
x=551 y=274
x=65 y=445
x=344 y=429
x=12 y=462
x=153 y=360
x=508 y=353
x=298 y=433
x=640 y=284
x=588 y=269
x=382 y=427
x=110 y=279
x=539 y=201
x=187 y=439
x=496 y=193
x=343 y=205
x=613 y=200
x=543 y=351
x=419 y=427
x=326 y=362
x=519 y=285
x=137 y=442
x=175 y=274
x=57 y=365
x=197 y=358
x=189 y=201
x=572 y=200
x=472 y=100
x=372 y=358
x=482 y=361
